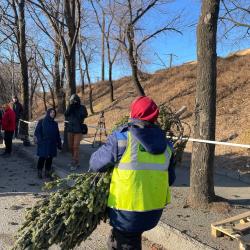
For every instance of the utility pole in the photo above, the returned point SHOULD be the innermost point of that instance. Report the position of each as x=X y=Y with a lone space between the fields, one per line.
x=171 y=55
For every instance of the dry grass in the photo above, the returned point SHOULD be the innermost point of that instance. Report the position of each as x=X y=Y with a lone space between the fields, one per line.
x=176 y=87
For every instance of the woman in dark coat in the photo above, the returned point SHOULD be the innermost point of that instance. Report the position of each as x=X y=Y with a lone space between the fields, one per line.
x=75 y=115
x=48 y=140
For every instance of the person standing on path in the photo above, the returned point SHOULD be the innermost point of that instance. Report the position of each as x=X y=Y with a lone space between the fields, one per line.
x=143 y=169
x=48 y=140
x=1 y=117
x=18 y=109
x=74 y=116
x=9 y=126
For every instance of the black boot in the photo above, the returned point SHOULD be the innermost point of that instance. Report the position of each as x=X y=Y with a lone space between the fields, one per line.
x=39 y=174
x=48 y=174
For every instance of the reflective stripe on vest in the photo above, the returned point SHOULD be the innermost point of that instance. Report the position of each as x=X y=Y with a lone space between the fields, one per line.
x=140 y=181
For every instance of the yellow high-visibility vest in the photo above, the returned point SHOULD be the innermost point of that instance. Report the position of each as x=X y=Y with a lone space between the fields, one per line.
x=140 y=181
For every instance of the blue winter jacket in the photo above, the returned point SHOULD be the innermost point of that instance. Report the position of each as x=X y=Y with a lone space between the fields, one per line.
x=48 y=137
x=153 y=141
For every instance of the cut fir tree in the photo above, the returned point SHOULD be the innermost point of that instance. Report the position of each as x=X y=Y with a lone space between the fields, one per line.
x=69 y=215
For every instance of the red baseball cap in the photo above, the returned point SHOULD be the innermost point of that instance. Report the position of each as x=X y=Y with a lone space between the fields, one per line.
x=144 y=108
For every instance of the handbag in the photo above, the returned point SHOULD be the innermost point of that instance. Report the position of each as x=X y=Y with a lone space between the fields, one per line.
x=84 y=129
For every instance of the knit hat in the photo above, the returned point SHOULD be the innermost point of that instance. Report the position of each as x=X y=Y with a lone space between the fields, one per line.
x=144 y=108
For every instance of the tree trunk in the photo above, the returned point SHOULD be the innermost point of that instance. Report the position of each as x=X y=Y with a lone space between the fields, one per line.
x=52 y=96
x=133 y=62
x=23 y=60
x=62 y=80
x=111 y=87
x=80 y=67
x=57 y=81
x=90 y=91
x=103 y=46
x=91 y=100
x=70 y=53
x=70 y=72
x=82 y=81
x=32 y=93
x=31 y=106
x=44 y=97
x=201 y=179
x=89 y=82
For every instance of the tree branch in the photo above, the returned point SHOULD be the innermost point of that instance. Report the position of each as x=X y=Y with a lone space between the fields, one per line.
x=143 y=11
x=238 y=24
x=156 y=33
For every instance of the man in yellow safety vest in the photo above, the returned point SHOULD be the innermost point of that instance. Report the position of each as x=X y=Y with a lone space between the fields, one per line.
x=143 y=169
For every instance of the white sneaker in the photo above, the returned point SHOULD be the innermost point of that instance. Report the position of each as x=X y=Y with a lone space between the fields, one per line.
x=70 y=164
x=73 y=167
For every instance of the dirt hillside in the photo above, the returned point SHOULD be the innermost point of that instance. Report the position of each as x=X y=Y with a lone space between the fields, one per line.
x=176 y=87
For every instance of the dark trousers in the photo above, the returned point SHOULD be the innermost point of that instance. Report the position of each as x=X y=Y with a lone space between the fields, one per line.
x=47 y=161
x=16 y=131
x=119 y=240
x=8 y=141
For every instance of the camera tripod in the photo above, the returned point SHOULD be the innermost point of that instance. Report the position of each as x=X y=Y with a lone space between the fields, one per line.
x=100 y=130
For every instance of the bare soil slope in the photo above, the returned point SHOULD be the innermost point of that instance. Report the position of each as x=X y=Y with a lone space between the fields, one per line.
x=176 y=87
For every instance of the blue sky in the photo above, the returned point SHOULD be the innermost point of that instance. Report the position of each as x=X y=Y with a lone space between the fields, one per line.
x=183 y=46
x=156 y=51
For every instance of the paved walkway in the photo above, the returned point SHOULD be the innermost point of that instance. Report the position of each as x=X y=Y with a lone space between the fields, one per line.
x=20 y=188
x=63 y=158
x=18 y=174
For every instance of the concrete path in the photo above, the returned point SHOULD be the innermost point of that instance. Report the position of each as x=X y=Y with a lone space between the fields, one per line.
x=19 y=189
x=178 y=224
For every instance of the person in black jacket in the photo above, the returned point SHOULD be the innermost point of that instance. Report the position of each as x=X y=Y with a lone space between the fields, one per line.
x=74 y=117
x=18 y=109
x=1 y=117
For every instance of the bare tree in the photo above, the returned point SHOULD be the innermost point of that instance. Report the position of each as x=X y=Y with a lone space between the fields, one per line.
x=107 y=36
x=10 y=69
x=236 y=14
x=44 y=93
x=132 y=13
x=87 y=59
x=5 y=87
x=56 y=11
x=72 y=17
x=33 y=82
x=201 y=179
x=103 y=45
x=42 y=67
x=82 y=72
x=13 y=19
